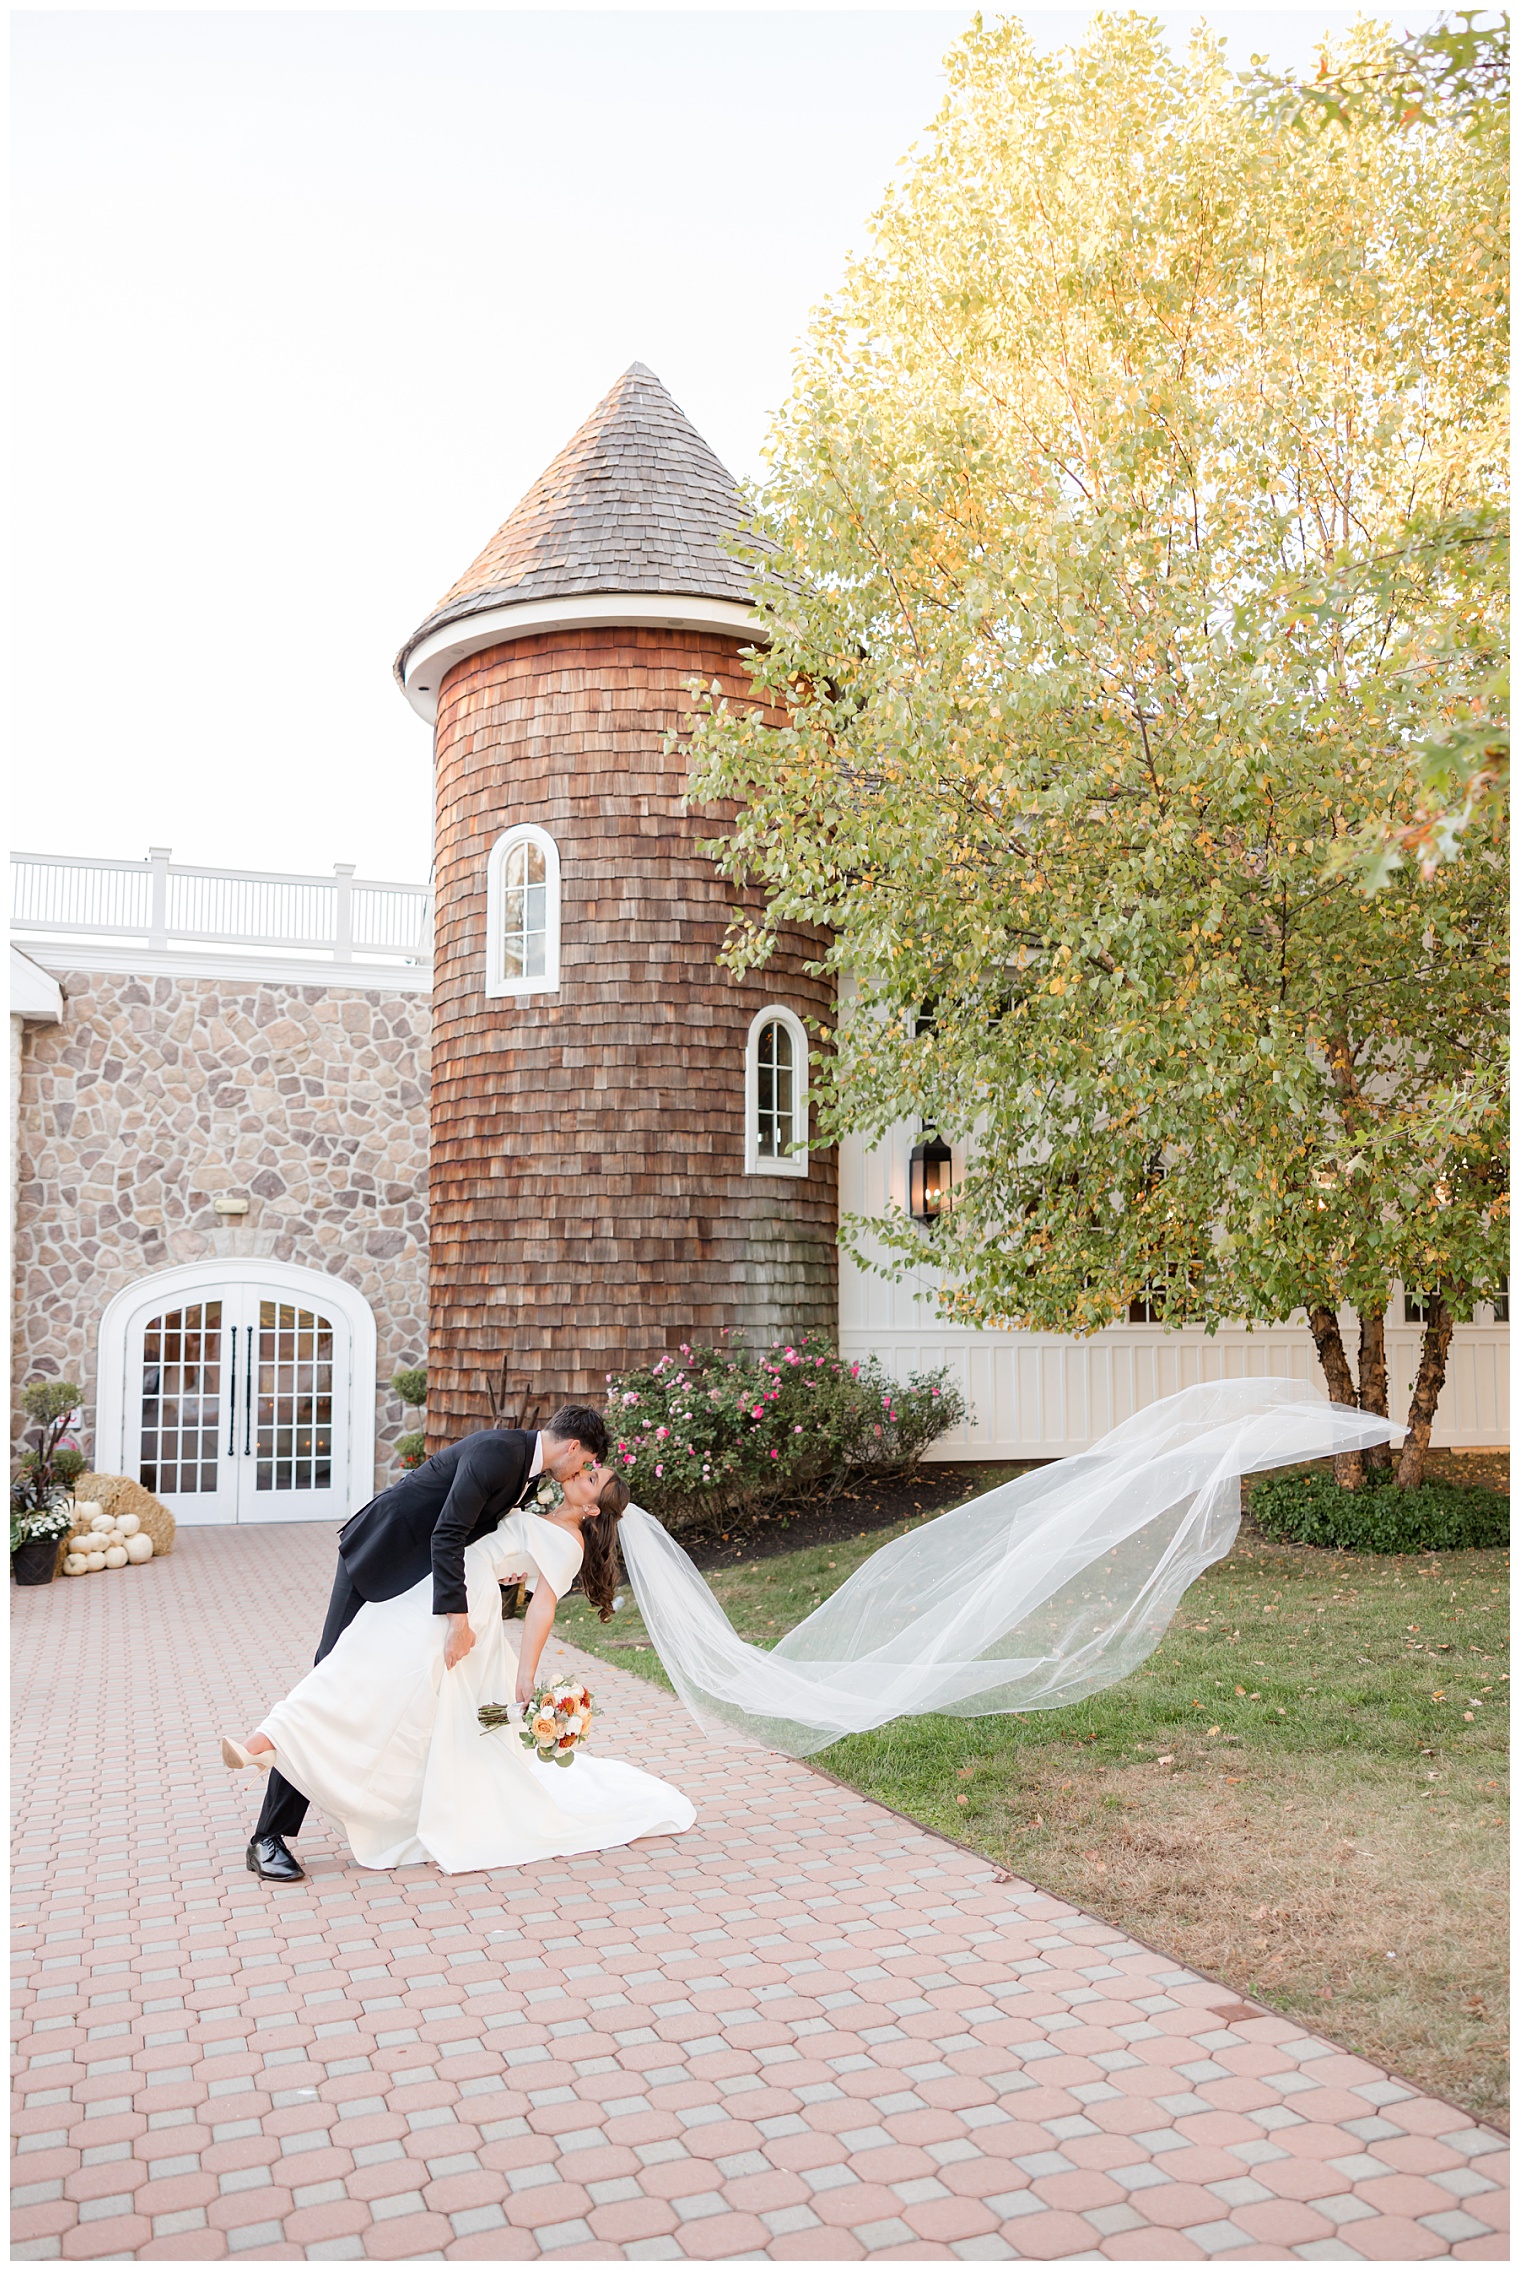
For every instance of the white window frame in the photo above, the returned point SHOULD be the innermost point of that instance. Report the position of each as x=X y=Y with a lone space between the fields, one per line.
x=797 y=1164
x=498 y=985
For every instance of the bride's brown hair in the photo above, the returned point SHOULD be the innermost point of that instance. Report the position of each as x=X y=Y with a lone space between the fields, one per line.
x=599 y=1562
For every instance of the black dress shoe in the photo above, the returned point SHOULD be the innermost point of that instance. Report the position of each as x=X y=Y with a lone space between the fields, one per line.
x=271 y=1857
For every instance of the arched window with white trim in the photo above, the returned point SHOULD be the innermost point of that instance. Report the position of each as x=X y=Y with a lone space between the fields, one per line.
x=775 y=1094
x=522 y=913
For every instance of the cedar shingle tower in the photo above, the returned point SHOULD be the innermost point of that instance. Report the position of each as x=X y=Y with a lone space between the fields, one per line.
x=613 y=1115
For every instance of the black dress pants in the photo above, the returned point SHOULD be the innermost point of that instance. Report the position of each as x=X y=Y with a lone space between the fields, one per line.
x=284 y=1808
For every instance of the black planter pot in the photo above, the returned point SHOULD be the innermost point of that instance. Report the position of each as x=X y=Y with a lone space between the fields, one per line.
x=35 y=1562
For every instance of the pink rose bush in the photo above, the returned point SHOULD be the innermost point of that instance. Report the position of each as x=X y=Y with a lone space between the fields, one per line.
x=720 y=1430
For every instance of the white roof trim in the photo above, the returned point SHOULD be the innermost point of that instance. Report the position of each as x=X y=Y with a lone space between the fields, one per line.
x=35 y=993
x=85 y=955
x=437 y=654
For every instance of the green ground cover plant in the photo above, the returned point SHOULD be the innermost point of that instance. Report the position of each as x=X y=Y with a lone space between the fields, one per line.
x=1302 y=1793
x=1311 y=1509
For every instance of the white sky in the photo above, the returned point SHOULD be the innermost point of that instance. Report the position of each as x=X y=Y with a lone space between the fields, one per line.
x=306 y=300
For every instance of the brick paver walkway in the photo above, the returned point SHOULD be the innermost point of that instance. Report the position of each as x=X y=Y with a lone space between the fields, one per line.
x=803 y=2031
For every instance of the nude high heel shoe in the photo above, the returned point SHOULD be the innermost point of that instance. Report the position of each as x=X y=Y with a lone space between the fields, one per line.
x=234 y=1755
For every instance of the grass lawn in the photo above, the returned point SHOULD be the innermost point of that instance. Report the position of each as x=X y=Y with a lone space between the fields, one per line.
x=1301 y=1793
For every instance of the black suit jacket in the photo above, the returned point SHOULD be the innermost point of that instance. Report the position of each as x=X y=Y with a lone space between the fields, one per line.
x=426 y=1520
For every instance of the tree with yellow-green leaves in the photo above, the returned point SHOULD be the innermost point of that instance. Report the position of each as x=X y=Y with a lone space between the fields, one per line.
x=1085 y=552
x=1454 y=77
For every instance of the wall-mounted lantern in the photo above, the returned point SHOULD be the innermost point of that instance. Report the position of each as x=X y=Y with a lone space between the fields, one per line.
x=929 y=1179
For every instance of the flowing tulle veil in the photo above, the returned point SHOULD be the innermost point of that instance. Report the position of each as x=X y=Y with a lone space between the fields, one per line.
x=1032 y=1596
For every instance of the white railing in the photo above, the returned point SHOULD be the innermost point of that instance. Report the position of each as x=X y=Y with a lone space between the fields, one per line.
x=337 y=916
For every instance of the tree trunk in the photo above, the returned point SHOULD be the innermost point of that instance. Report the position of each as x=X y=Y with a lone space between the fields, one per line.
x=1428 y=1384
x=1372 y=1373
x=1325 y=1326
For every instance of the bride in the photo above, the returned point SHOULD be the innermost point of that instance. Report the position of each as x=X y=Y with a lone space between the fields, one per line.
x=386 y=1740
x=1030 y=1597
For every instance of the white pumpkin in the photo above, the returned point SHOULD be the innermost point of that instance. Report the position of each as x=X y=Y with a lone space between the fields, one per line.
x=74 y=1565
x=84 y=1508
x=129 y=1524
x=139 y=1547
x=102 y=1522
x=116 y=1557
x=95 y=1560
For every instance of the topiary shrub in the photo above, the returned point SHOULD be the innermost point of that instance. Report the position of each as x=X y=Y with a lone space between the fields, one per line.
x=1439 y=1517
x=46 y=1473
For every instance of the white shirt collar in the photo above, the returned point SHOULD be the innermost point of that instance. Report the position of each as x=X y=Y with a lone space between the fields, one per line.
x=537 y=1465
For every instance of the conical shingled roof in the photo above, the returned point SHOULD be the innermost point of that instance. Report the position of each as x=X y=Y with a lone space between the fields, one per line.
x=635 y=501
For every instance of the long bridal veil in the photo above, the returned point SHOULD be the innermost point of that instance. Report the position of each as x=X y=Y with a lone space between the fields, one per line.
x=1032 y=1596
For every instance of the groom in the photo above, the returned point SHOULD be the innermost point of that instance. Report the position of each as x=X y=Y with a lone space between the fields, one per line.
x=424 y=1522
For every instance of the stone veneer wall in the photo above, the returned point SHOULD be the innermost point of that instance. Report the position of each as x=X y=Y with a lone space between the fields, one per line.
x=155 y=1094
x=590 y=1208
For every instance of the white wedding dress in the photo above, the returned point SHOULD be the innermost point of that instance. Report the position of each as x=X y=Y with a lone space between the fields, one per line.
x=388 y=1745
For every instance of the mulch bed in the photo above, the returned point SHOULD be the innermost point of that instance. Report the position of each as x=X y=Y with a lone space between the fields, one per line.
x=862 y=1506
x=865 y=1505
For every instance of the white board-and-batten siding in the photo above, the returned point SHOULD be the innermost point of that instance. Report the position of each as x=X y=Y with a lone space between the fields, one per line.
x=1044 y=1395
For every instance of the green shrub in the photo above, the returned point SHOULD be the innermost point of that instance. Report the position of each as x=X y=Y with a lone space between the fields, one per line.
x=1439 y=1517
x=715 y=1430
x=46 y=1473
x=411 y=1450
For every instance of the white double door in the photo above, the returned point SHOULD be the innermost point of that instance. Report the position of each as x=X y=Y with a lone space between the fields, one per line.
x=237 y=1402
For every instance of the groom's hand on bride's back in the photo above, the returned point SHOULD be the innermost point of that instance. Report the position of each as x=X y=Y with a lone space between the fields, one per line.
x=458 y=1640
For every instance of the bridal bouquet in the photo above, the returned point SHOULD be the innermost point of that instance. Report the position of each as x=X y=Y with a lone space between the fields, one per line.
x=555 y=1722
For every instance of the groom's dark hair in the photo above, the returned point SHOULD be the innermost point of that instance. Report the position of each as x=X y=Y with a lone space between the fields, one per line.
x=578 y=1423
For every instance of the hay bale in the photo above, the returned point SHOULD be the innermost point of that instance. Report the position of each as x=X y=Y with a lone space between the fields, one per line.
x=119 y=1494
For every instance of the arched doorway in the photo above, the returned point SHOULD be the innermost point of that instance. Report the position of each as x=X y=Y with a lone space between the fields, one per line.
x=240 y=1392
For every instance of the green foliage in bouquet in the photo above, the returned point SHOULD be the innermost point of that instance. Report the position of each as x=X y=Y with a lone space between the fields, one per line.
x=1438 y=1517
x=554 y=1724
x=711 y=1430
